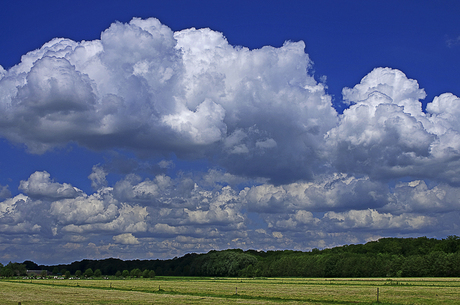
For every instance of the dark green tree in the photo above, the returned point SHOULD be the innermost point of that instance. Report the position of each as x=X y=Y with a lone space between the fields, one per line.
x=136 y=272
x=414 y=266
x=55 y=270
x=97 y=273
x=88 y=272
x=125 y=273
x=452 y=244
x=78 y=273
x=7 y=272
x=14 y=269
x=248 y=271
x=118 y=273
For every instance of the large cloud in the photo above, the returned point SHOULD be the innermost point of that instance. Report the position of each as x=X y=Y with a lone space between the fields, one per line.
x=150 y=90
x=257 y=113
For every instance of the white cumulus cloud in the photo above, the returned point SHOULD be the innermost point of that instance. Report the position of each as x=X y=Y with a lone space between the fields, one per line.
x=40 y=185
x=386 y=135
x=126 y=239
x=148 y=89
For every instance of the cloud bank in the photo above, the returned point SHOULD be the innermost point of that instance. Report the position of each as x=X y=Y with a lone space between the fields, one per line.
x=166 y=216
x=290 y=172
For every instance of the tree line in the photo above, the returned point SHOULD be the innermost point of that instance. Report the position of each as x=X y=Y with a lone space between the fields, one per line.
x=16 y=269
x=386 y=257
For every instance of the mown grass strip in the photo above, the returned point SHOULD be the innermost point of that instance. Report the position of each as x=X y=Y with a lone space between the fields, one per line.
x=279 y=290
x=204 y=295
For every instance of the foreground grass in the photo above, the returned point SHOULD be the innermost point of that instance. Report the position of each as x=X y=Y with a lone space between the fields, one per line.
x=189 y=290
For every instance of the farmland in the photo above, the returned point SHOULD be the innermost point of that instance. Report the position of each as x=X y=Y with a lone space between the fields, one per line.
x=200 y=290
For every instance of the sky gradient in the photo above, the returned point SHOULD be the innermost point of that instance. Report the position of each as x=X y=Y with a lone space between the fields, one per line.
x=155 y=129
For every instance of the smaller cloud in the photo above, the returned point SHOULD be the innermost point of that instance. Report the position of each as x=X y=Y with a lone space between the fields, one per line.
x=166 y=164
x=97 y=177
x=126 y=239
x=452 y=42
x=4 y=192
x=39 y=185
x=163 y=228
x=261 y=231
x=71 y=246
x=268 y=143
x=216 y=177
x=373 y=220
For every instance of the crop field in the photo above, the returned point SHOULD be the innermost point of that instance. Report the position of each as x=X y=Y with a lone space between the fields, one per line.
x=195 y=290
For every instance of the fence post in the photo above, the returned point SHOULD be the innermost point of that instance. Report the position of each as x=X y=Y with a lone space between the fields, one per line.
x=377 y=295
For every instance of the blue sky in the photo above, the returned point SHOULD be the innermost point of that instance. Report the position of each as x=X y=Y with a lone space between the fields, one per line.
x=151 y=129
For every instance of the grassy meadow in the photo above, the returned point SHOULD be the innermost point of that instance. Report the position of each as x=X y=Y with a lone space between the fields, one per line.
x=195 y=290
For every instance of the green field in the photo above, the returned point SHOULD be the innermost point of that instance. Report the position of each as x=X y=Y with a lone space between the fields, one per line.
x=194 y=290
